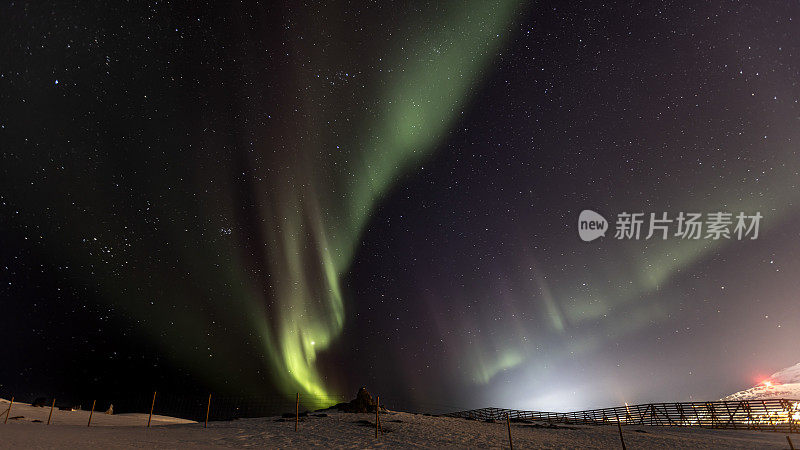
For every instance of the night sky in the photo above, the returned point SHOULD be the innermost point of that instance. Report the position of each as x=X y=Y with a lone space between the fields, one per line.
x=267 y=198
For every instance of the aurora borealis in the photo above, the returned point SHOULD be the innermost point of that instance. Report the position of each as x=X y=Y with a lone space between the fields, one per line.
x=315 y=226
x=277 y=198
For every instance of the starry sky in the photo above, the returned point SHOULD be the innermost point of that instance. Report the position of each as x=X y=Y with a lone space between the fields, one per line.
x=273 y=197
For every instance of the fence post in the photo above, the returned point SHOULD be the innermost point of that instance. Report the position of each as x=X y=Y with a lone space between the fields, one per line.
x=380 y=425
x=377 y=415
x=91 y=413
x=8 y=411
x=208 y=410
x=152 y=405
x=508 y=424
x=51 y=411
x=621 y=439
x=297 y=412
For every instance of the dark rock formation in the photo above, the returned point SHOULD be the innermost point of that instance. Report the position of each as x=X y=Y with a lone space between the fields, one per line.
x=363 y=403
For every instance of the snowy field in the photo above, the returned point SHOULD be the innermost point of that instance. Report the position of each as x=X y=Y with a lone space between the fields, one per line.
x=343 y=430
x=32 y=414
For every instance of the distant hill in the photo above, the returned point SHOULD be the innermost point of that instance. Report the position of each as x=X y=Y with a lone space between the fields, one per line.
x=782 y=384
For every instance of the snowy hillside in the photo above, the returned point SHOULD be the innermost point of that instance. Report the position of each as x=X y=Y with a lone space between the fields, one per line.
x=782 y=384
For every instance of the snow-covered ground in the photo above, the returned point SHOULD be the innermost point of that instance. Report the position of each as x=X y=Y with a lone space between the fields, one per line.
x=781 y=384
x=31 y=414
x=336 y=429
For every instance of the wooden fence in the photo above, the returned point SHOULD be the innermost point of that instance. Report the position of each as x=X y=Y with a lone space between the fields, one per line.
x=764 y=415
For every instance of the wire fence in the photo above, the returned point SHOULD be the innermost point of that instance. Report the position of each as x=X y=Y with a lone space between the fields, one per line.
x=764 y=415
x=191 y=407
x=217 y=407
x=195 y=407
x=781 y=415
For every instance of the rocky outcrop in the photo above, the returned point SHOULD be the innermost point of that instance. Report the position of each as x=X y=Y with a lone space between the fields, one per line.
x=363 y=403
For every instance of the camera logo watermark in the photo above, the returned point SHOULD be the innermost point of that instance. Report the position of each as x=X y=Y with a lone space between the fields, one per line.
x=715 y=226
x=591 y=225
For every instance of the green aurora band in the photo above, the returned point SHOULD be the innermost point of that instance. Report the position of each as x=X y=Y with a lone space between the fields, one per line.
x=318 y=219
